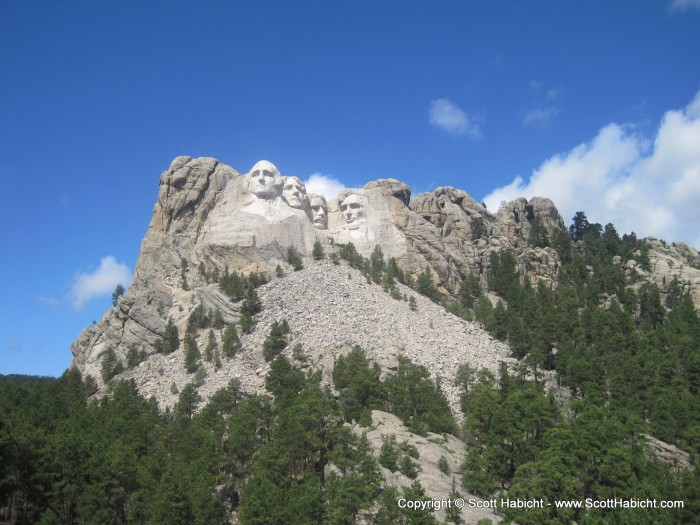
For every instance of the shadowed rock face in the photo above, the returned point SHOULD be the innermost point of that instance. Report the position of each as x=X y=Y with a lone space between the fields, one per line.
x=210 y=215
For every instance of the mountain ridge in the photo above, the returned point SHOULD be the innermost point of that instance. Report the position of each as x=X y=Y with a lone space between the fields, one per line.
x=207 y=216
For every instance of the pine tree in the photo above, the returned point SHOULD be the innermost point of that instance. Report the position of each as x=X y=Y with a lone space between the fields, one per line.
x=294 y=259
x=426 y=286
x=538 y=234
x=469 y=291
x=453 y=514
x=192 y=354
x=183 y=275
x=478 y=228
x=250 y=307
x=318 y=252
x=275 y=341
x=218 y=319
x=211 y=347
x=118 y=292
x=230 y=342
x=111 y=365
x=376 y=264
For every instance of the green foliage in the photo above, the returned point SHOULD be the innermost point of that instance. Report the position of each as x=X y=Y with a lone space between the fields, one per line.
x=376 y=264
x=504 y=427
x=298 y=353
x=192 y=354
x=426 y=286
x=393 y=272
x=279 y=272
x=390 y=453
x=249 y=308
x=580 y=226
x=443 y=465
x=478 y=229
x=358 y=383
x=236 y=286
x=503 y=278
x=111 y=365
x=211 y=347
x=294 y=259
x=632 y=368
x=216 y=319
x=335 y=258
x=284 y=381
x=171 y=339
x=134 y=356
x=276 y=341
x=412 y=304
x=418 y=400
x=538 y=234
x=317 y=253
x=183 y=275
x=199 y=319
x=187 y=402
x=121 y=460
x=350 y=254
x=118 y=292
x=469 y=291
x=230 y=342
x=408 y=468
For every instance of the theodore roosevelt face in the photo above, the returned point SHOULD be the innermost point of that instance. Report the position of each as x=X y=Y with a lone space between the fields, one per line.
x=319 y=212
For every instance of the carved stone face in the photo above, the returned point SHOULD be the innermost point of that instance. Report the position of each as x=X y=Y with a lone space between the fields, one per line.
x=264 y=180
x=319 y=212
x=353 y=210
x=294 y=192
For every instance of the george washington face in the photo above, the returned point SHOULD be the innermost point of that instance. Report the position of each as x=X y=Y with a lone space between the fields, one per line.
x=264 y=180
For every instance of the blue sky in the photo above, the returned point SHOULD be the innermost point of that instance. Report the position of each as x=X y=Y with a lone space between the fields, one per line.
x=594 y=104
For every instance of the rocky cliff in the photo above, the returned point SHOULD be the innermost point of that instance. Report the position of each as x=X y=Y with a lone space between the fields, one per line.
x=210 y=216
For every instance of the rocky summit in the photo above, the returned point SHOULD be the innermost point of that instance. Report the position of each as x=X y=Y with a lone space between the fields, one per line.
x=210 y=219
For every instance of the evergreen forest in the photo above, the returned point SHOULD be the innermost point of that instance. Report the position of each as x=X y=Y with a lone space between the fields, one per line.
x=607 y=362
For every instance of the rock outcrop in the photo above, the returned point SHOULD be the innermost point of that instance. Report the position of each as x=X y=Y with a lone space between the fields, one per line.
x=209 y=216
x=329 y=308
x=430 y=449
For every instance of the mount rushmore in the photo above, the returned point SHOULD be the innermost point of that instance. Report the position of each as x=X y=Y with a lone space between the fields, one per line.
x=210 y=216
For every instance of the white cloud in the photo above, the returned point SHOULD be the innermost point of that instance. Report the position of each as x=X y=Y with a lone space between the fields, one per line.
x=48 y=301
x=451 y=118
x=683 y=5
x=101 y=282
x=536 y=85
x=553 y=93
x=324 y=185
x=540 y=116
x=650 y=186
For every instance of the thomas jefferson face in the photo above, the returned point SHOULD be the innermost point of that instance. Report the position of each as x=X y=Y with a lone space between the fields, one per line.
x=264 y=180
x=318 y=212
x=294 y=192
x=353 y=210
